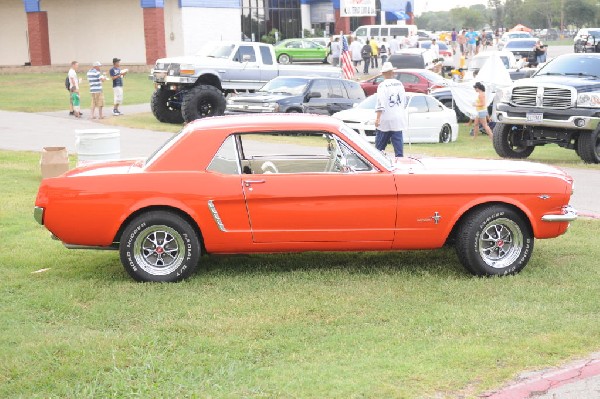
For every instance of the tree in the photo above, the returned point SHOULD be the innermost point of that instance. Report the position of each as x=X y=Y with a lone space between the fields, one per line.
x=580 y=13
x=497 y=12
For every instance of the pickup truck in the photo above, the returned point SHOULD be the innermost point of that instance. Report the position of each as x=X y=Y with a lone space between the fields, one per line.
x=193 y=87
x=559 y=104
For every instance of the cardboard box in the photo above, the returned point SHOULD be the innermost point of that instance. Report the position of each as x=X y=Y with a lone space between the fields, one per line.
x=54 y=161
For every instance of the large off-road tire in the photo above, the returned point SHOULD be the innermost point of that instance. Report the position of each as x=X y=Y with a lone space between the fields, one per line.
x=446 y=134
x=202 y=101
x=588 y=146
x=508 y=141
x=159 y=246
x=494 y=240
x=161 y=107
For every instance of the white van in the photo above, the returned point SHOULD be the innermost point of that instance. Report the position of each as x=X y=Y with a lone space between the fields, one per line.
x=379 y=32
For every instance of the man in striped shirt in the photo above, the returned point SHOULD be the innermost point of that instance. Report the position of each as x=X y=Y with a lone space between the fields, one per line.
x=95 y=79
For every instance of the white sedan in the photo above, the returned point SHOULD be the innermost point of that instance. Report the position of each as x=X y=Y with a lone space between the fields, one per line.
x=429 y=121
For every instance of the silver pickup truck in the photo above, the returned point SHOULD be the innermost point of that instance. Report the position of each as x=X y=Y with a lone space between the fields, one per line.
x=194 y=87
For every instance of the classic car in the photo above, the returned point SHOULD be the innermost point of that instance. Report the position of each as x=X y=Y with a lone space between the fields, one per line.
x=429 y=121
x=293 y=183
x=294 y=50
x=413 y=80
x=316 y=95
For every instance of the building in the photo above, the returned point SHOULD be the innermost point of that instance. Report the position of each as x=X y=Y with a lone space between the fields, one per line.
x=55 y=32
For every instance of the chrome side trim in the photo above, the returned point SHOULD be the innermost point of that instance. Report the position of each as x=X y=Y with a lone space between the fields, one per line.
x=112 y=247
x=215 y=215
x=569 y=214
x=38 y=214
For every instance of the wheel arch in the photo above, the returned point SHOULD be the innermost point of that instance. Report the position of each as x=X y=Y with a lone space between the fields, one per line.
x=209 y=79
x=168 y=208
x=471 y=208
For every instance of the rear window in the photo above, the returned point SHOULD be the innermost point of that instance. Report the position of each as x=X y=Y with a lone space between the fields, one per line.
x=407 y=61
x=399 y=32
x=521 y=44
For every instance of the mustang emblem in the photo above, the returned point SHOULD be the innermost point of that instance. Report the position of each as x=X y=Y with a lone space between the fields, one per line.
x=435 y=218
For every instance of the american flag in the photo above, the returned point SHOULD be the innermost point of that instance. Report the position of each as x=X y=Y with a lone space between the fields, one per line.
x=347 y=67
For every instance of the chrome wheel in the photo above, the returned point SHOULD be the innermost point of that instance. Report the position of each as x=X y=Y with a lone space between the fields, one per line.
x=500 y=243
x=445 y=134
x=159 y=250
x=285 y=59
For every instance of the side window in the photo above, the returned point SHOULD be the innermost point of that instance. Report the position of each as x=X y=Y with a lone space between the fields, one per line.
x=355 y=91
x=433 y=104
x=320 y=86
x=407 y=78
x=294 y=44
x=384 y=31
x=361 y=32
x=225 y=160
x=419 y=103
x=267 y=57
x=310 y=44
x=374 y=32
x=337 y=89
x=244 y=51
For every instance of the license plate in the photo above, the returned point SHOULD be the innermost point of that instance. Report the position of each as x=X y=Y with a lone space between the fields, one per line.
x=534 y=117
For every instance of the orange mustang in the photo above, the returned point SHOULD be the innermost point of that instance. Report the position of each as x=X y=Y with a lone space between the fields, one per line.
x=291 y=183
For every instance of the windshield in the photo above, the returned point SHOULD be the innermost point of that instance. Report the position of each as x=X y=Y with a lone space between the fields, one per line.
x=594 y=33
x=286 y=85
x=368 y=103
x=214 y=50
x=572 y=65
x=520 y=44
x=433 y=77
x=369 y=148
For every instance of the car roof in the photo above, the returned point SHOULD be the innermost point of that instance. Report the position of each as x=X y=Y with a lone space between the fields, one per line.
x=254 y=122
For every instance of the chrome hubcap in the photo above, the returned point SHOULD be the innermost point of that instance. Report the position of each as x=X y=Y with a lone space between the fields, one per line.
x=159 y=250
x=500 y=243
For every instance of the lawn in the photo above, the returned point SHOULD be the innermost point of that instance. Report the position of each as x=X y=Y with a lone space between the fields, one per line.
x=336 y=325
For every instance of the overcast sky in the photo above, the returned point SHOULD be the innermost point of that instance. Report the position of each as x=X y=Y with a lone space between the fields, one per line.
x=443 y=5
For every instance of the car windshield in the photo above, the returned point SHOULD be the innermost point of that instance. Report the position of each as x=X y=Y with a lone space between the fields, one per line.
x=594 y=33
x=216 y=51
x=368 y=103
x=433 y=77
x=572 y=65
x=520 y=44
x=286 y=85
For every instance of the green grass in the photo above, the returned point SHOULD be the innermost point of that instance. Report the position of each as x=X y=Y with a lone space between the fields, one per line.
x=314 y=325
x=42 y=92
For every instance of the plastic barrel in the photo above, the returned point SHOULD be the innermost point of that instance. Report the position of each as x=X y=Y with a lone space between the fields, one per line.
x=97 y=145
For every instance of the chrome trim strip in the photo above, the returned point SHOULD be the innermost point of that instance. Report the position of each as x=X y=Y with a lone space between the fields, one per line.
x=38 y=214
x=215 y=215
x=569 y=214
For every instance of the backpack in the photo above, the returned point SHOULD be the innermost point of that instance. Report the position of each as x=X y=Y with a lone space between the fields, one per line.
x=366 y=51
x=68 y=83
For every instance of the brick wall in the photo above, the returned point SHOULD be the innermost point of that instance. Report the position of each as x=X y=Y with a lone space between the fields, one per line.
x=154 y=34
x=39 y=41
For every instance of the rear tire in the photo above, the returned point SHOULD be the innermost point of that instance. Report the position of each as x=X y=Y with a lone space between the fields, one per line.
x=446 y=134
x=203 y=101
x=159 y=246
x=508 y=142
x=494 y=241
x=284 y=59
x=588 y=146
x=161 y=107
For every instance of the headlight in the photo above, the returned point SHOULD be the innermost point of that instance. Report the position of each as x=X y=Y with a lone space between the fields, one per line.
x=591 y=100
x=370 y=122
x=504 y=94
x=160 y=66
x=273 y=107
x=186 y=69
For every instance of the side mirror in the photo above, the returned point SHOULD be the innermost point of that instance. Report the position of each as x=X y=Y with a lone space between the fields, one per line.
x=246 y=58
x=314 y=94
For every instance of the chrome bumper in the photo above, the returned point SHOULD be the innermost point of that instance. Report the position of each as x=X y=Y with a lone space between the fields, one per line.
x=38 y=214
x=573 y=122
x=569 y=214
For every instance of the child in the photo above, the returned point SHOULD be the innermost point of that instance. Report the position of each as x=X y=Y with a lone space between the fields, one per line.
x=76 y=102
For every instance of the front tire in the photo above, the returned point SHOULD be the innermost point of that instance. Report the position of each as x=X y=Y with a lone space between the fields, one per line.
x=446 y=134
x=494 y=241
x=508 y=141
x=159 y=246
x=588 y=146
x=162 y=107
x=284 y=59
x=203 y=101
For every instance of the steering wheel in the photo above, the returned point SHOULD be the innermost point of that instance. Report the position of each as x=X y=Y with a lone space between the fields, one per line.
x=269 y=167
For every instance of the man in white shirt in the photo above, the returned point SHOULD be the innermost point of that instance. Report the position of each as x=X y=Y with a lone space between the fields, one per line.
x=392 y=116
x=355 y=48
x=435 y=48
x=73 y=84
x=394 y=46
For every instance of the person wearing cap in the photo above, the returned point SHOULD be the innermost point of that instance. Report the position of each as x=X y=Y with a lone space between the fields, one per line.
x=482 y=113
x=116 y=74
x=390 y=108
x=95 y=79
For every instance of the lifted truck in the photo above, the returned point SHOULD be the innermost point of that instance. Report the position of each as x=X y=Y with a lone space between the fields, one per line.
x=193 y=87
x=559 y=104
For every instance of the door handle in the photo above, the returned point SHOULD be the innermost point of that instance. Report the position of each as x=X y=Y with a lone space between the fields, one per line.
x=249 y=183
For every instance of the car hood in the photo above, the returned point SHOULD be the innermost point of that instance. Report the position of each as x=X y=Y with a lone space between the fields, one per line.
x=581 y=83
x=120 y=167
x=194 y=60
x=260 y=97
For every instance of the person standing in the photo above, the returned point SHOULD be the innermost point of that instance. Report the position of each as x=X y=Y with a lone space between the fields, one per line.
x=462 y=42
x=540 y=52
x=95 y=79
x=471 y=42
x=383 y=51
x=355 y=50
x=453 y=39
x=73 y=85
x=435 y=48
x=390 y=108
x=116 y=74
x=394 y=45
x=374 y=53
x=482 y=113
x=336 y=51
x=366 y=54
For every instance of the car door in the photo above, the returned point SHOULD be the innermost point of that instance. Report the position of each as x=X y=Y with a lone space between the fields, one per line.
x=410 y=82
x=312 y=51
x=250 y=74
x=419 y=120
x=338 y=100
x=300 y=190
x=317 y=97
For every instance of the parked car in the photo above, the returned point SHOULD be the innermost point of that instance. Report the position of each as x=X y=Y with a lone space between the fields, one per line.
x=429 y=121
x=414 y=80
x=236 y=184
x=445 y=52
x=549 y=34
x=506 y=36
x=299 y=94
x=523 y=48
x=419 y=58
x=294 y=50
x=587 y=40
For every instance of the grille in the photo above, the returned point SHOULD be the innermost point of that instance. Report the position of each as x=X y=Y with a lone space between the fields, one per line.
x=552 y=97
